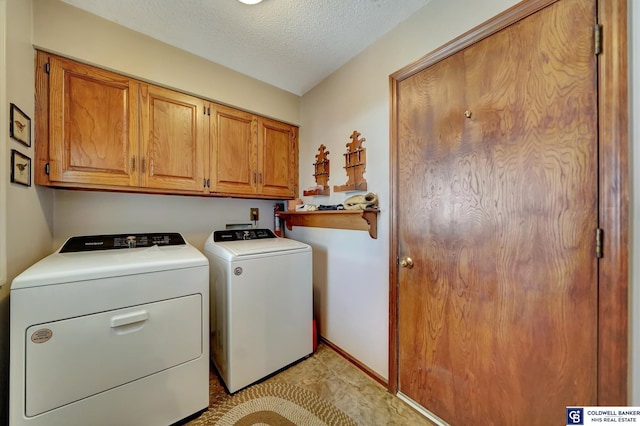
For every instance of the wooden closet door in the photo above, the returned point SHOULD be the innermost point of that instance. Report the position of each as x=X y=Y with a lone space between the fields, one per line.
x=497 y=207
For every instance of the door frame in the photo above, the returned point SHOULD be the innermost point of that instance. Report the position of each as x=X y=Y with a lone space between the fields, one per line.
x=613 y=135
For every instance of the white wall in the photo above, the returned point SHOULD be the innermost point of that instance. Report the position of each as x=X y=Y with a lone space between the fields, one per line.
x=351 y=271
x=86 y=213
x=634 y=156
x=28 y=210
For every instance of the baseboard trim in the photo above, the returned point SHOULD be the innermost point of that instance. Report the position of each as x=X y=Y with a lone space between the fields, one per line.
x=375 y=376
x=420 y=409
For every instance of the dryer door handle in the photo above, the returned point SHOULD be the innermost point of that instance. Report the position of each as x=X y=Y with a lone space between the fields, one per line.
x=130 y=318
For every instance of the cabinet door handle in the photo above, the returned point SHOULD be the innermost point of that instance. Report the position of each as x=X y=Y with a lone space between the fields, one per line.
x=144 y=165
x=133 y=163
x=261 y=177
x=254 y=177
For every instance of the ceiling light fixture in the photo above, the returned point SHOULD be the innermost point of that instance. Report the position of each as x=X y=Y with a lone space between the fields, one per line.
x=250 y=1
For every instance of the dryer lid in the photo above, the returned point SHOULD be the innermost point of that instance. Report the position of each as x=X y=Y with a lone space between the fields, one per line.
x=60 y=268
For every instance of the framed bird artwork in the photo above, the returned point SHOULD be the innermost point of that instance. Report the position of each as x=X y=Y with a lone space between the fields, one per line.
x=20 y=168
x=20 y=126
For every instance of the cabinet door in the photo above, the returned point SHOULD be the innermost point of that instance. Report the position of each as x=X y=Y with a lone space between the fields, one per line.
x=93 y=116
x=233 y=141
x=277 y=159
x=173 y=144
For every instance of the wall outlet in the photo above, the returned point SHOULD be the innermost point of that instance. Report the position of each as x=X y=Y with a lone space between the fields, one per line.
x=254 y=214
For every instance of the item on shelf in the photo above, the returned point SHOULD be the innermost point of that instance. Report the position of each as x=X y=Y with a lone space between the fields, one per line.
x=320 y=173
x=355 y=164
x=361 y=202
x=306 y=208
x=291 y=204
x=331 y=207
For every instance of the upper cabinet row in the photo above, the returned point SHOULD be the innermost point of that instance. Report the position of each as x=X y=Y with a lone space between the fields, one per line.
x=101 y=130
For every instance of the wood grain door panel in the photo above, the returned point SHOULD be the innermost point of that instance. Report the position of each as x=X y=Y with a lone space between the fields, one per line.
x=234 y=151
x=497 y=196
x=94 y=124
x=173 y=143
x=277 y=157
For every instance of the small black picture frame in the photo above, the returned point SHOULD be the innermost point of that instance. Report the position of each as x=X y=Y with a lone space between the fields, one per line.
x=20 y=168
x=19 y=125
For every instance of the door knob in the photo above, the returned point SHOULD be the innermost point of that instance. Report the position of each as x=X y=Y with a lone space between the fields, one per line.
x=406 y=262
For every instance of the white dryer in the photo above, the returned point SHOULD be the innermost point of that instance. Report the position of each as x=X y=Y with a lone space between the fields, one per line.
x=261 y=304
x=111 y=330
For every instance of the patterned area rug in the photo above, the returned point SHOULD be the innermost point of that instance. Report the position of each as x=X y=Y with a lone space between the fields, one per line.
x=273 y=404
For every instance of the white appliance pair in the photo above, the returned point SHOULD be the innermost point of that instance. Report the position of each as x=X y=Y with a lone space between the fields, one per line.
x=111 y=330
x=261 y=304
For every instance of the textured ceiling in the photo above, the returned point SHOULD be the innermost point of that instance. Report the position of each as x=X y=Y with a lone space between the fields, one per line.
x=291 y=44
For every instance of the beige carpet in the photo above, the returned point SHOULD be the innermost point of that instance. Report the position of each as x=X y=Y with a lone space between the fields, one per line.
x=273 y=404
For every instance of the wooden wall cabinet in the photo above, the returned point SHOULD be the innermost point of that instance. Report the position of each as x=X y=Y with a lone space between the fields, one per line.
x=100 y=130
x=252 y=155
x=234 y=151
x=93 y=133
x=277 y=159
x=172 y=140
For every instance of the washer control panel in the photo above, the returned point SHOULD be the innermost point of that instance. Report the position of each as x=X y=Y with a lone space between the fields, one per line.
x=242 y=234
x=121 y=241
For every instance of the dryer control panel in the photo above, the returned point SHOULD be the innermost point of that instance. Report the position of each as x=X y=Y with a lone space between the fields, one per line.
x=242 y=234
x=120 y=241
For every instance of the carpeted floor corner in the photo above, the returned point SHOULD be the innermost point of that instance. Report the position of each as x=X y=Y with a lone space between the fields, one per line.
x=274 y=404
x=268 y=403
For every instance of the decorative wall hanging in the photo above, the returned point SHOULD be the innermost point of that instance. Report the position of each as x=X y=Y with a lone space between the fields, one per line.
x=355 y=164
x=19 y=125
x=320 y=173
x=20 y=168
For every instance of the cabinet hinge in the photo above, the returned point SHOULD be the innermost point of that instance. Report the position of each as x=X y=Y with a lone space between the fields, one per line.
x=599 y=243
x=47 y=68
x=597 y=35
x=46 y=169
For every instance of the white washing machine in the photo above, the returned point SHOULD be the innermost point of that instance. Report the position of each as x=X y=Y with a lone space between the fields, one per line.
x=111 y=330
x=261 y=304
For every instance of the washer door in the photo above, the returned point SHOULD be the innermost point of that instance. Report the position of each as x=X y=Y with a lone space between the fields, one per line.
x=76 y=358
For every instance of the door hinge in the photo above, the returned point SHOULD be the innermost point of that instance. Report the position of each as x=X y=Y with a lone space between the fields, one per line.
x=47 y=68
x=46 y=169
x=599 y=243
x=597 y=35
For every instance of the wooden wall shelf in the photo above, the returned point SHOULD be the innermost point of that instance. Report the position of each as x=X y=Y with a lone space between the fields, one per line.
x=360 y=220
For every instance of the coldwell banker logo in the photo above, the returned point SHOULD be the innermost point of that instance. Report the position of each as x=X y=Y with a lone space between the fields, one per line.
x=575 y=416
